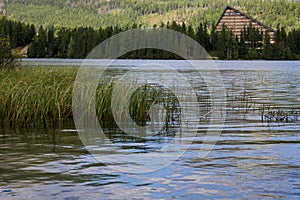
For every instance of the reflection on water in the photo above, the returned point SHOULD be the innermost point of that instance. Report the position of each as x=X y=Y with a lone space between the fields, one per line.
x=253 y=159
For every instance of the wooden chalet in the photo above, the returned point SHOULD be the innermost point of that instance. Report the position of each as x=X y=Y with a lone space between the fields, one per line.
x=236 y=21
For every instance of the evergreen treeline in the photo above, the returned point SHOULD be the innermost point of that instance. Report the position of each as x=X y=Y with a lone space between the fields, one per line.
x=103 y=13
x=12 y=35
x=17 y=33
x=64 y=42
x=253 y=44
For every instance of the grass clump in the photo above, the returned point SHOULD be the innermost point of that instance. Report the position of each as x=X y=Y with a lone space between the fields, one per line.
x=36 y=94
x=43 y=96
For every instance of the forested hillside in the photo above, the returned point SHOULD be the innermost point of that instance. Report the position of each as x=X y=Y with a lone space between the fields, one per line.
x=103 y=13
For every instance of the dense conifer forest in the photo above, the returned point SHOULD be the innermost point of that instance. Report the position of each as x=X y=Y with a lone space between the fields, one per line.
x=80 y=28
x=77 y=42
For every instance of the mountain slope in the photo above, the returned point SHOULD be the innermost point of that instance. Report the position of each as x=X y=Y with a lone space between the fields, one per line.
x=95 y=13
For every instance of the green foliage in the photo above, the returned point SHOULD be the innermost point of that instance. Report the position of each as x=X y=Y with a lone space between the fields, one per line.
x=19 y=34
x=43 y=95
x=253 y=44
x=38 y=46
x=100 y=13
x=7 y=60
x=36 y=95
x=13 y=34
x=63 y=42
x=202 y=36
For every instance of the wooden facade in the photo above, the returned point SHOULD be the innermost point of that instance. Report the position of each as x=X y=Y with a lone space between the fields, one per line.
x=236 y=21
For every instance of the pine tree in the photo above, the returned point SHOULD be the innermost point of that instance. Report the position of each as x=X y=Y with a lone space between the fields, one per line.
x=268 y=48
x=207 y=44
x=183 y=28
x=41 y=40
x=191 y=32
x=221 y=43
x=242 y=46
x=200 y=35
x=62 y=42
x=71 y=47
x=50 y=47
x=213 y=40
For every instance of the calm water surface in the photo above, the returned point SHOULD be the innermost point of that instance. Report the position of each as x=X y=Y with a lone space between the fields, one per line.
x=256 y=157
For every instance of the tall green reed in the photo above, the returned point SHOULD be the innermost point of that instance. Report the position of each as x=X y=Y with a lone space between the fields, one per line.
x=36 y=95
x=43 y=95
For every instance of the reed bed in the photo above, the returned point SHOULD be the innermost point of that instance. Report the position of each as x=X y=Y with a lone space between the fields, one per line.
x=43 y=96
x=36 y=95
x=139 y=104
x=275 y=114
x=243 y=103
x=149 y=95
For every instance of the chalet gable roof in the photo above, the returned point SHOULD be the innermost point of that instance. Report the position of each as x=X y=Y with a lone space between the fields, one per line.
x=245 y=15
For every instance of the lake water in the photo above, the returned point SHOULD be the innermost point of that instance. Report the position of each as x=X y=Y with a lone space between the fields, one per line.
x=257 y=155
